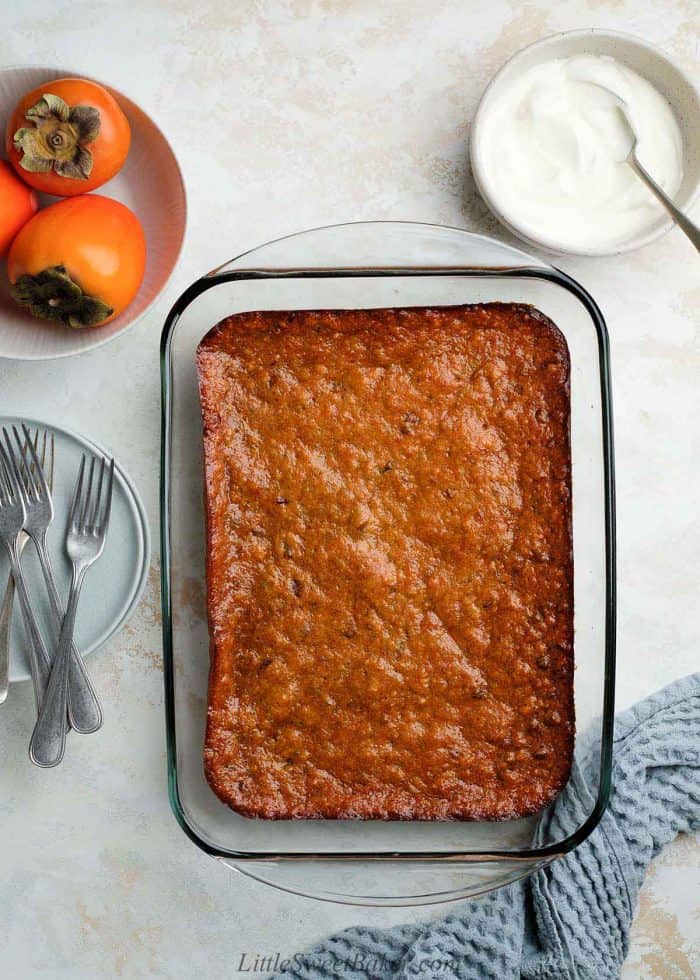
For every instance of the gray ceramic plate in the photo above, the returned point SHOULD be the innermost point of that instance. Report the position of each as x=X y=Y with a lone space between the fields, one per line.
x=114 y=585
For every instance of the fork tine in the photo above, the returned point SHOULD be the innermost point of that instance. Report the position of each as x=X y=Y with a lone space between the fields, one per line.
x=13 y=494
x=38 y=467
x=82 y=524
x=42 y=458
x=35 y=443
x=4 y=491
x=93 y=502
x=104 y=523
x=76 y=495
x=52 y=456
x=25 y=450
x=12 y=470
x=98 y=497
x=5 y=482
x=12 y=491
x=23 y=467
x=26 y=446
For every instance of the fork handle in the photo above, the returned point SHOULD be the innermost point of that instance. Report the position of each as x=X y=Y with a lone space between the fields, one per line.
x=38 y=657
x=84 y=711
x=5 y=623
x=48 y=742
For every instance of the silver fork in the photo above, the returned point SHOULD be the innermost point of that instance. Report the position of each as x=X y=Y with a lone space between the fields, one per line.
x=85 y=539
x=11 y=523
x=84 y=712
x=9 y=596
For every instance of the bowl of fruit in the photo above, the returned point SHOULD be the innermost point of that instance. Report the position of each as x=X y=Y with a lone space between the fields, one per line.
x=92 y=213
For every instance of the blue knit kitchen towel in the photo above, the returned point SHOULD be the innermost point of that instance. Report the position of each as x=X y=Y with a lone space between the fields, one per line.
x=572 y=920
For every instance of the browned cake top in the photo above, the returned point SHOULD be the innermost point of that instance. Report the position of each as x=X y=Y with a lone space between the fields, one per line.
x=389 y=562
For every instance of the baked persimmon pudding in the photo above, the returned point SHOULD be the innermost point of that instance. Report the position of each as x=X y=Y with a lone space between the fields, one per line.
x=389 y=562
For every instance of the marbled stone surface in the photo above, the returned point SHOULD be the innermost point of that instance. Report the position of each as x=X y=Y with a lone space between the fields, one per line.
x=287 y=115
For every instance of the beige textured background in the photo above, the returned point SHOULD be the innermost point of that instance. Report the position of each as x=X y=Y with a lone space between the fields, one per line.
x=286 y=115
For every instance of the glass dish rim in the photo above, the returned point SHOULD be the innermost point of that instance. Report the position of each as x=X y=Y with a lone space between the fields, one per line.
x=219 y=276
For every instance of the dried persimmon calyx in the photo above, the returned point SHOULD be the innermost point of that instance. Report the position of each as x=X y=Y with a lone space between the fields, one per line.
x=56 y=137
x=53 y=295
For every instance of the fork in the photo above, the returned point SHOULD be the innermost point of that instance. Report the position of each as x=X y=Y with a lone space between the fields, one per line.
x=9 y=596
x=85 y=539
x=12 y=515
x=84 y=712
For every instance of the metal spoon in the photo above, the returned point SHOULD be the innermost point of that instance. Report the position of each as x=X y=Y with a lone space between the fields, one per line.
x=684 y=223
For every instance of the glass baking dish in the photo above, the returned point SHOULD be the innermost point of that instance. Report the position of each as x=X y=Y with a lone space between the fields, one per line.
x=378 y=264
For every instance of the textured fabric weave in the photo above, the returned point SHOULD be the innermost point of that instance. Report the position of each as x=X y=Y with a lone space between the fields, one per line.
x=572 y=920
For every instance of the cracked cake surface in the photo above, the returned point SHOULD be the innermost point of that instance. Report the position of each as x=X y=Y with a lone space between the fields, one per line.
x=389 y=562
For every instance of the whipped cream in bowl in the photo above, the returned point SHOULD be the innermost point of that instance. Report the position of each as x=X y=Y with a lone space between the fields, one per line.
x=549 y=144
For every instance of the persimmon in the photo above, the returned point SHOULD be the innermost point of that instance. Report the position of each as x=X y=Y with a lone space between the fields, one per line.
x=17 y=204
x=68 y=137
x=79 y=261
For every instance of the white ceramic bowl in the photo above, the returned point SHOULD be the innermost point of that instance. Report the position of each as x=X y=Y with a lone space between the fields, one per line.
x=150 y=183
x=643 y=58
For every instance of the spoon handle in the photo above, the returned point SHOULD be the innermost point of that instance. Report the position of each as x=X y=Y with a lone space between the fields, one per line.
x=683 y=221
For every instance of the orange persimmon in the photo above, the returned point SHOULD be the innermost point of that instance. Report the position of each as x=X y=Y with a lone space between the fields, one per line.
x=68 y=137
x=17 y=204
x=80 y=261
